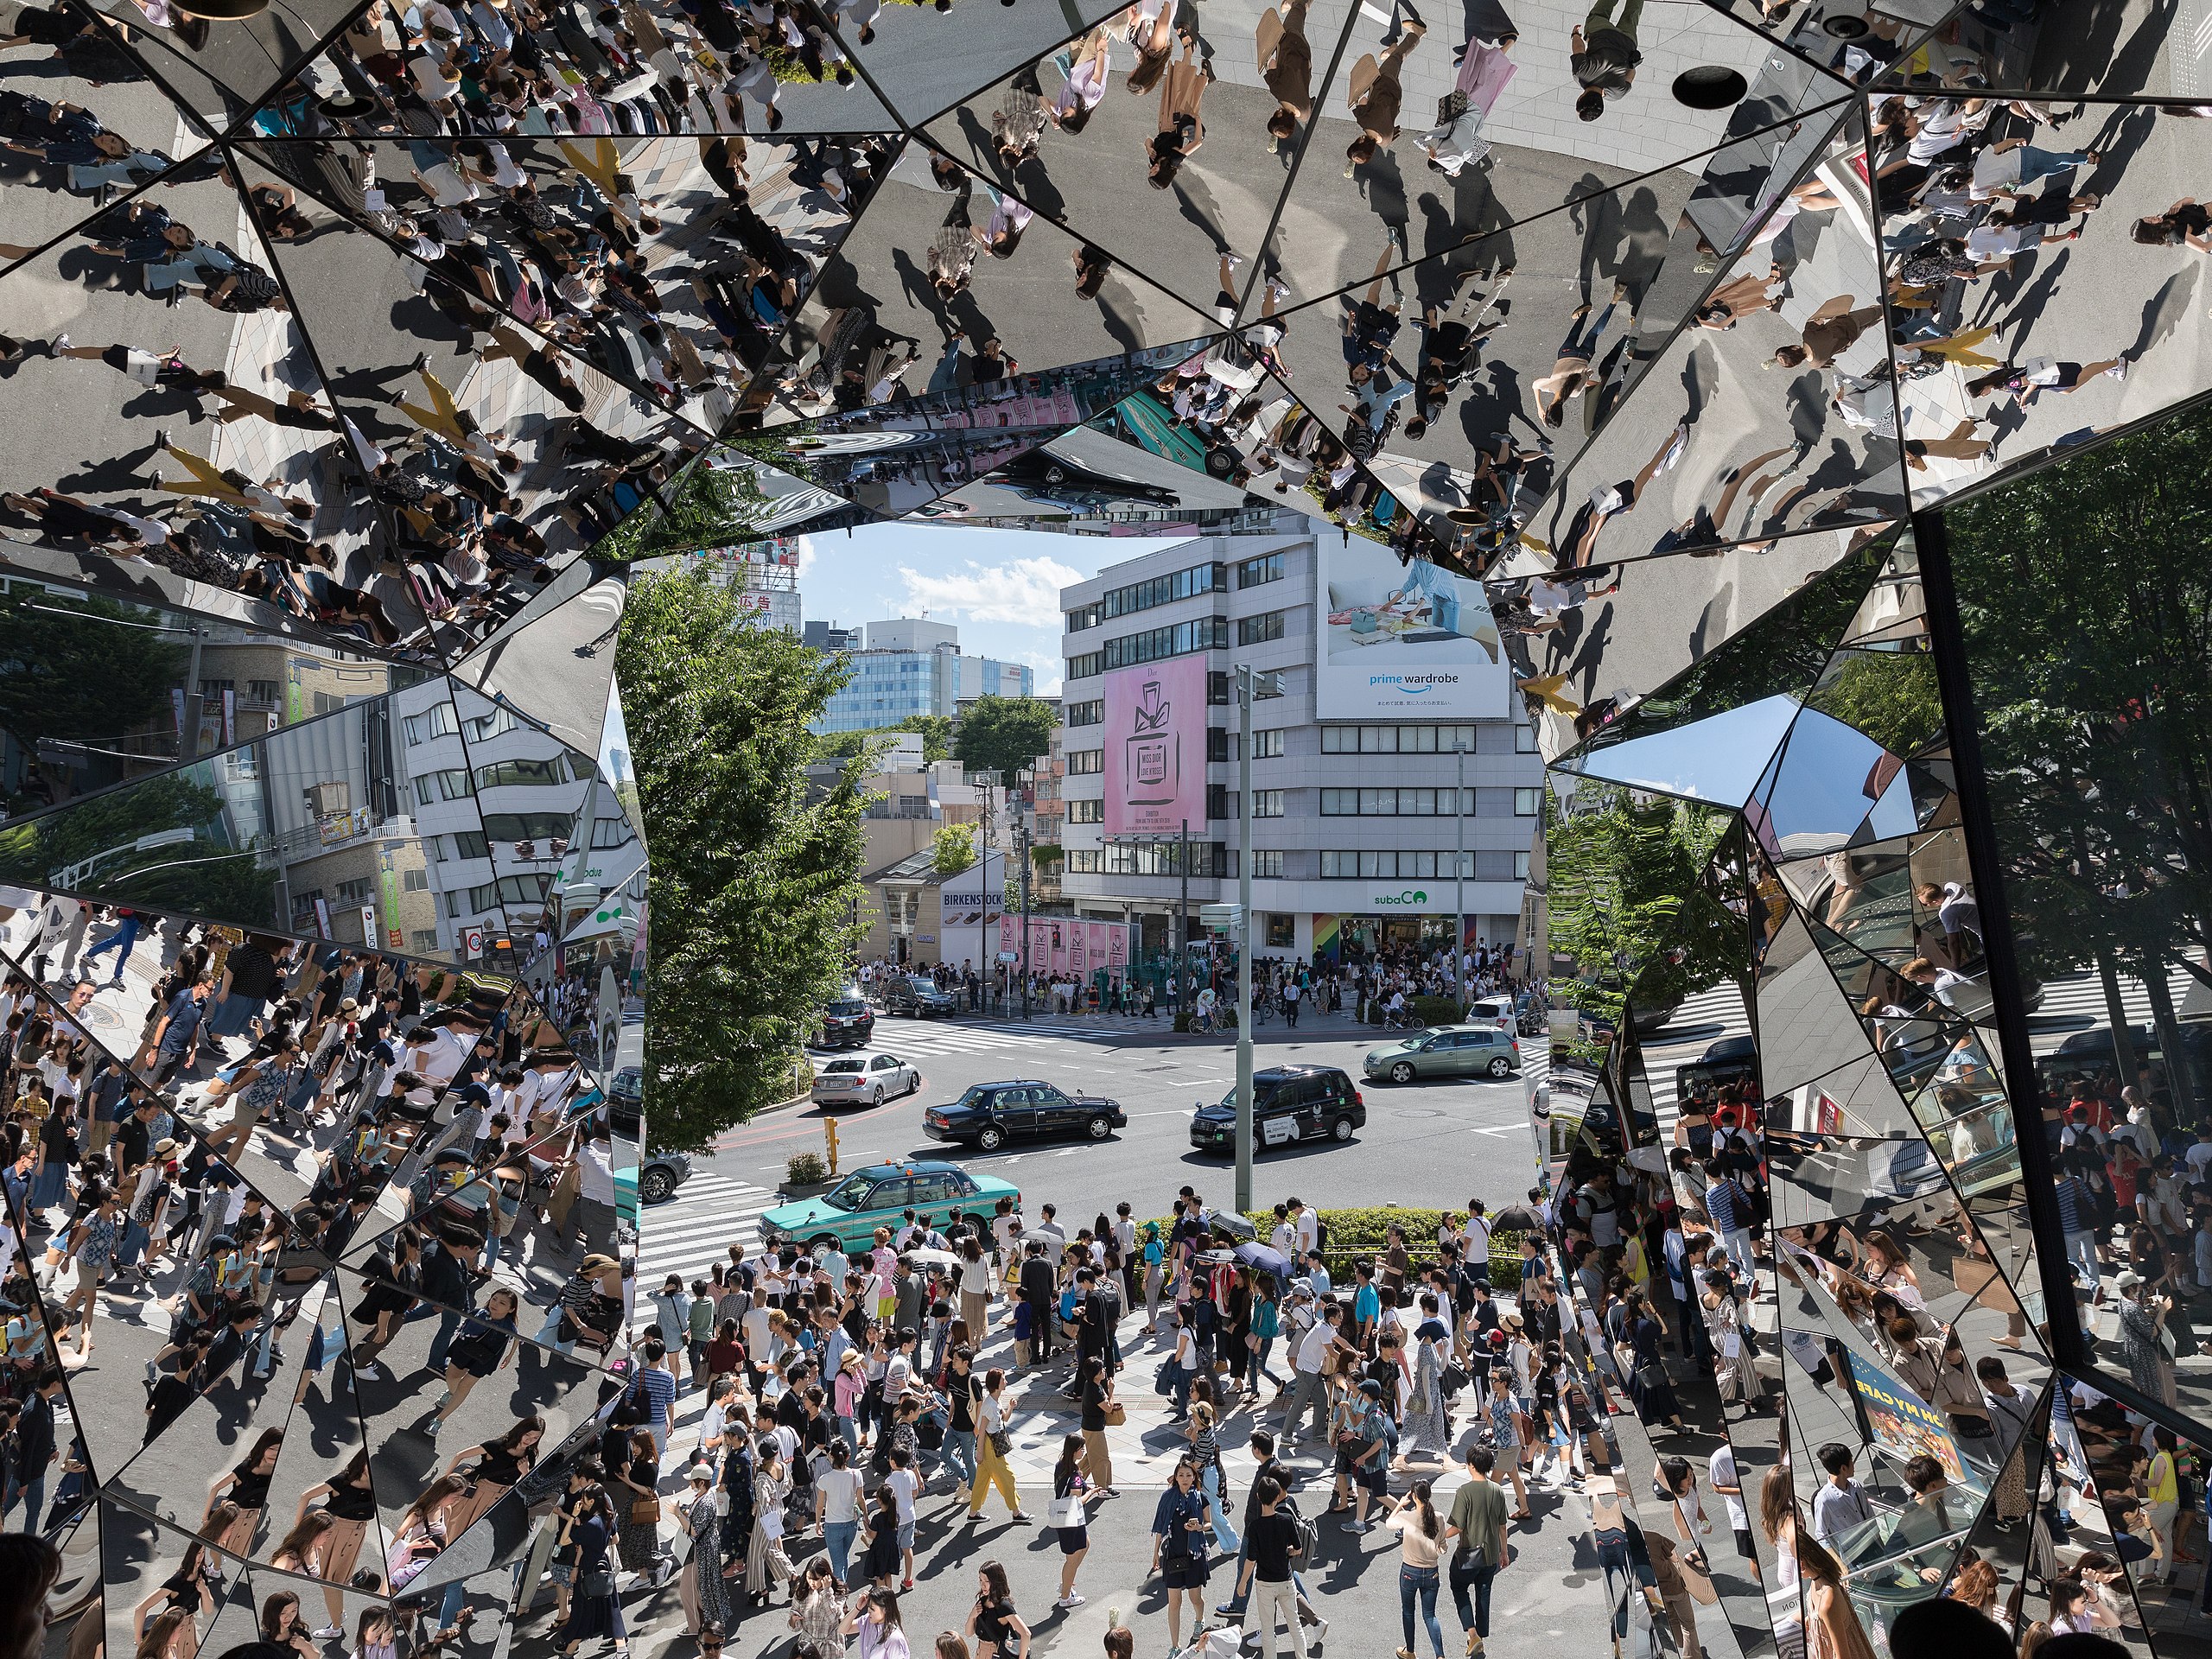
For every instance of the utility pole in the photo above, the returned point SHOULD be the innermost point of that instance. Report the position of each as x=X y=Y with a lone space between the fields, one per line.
x=1244 y=938
x=1021 y=832
x=1182 y=967
x=188 y=739
x=1459 y=875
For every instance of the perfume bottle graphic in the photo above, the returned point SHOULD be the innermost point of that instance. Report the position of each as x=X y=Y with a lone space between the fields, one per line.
x=1155 y=761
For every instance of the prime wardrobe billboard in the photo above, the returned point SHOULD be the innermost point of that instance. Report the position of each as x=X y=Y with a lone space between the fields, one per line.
x=1408 y=641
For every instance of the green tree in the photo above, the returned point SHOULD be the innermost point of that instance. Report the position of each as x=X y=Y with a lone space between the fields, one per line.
x=2085 y=594
x=953 y=849
x=207 y=874
x=753 y=888
x=1891 y=695
x=1004 y=734
x=69 y=674
x=1623 y=870
x=935 y=731
x=707 y=506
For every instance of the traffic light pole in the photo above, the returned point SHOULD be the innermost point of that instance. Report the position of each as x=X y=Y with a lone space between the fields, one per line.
x=1245 y=939
x=1024 y=828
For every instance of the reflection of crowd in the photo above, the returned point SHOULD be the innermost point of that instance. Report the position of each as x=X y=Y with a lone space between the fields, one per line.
x=1960 y=205
x=174 y=1200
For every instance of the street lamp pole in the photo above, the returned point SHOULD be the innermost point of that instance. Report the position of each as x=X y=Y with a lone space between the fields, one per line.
x=1460 y=877
x=1181 y=967
x=1021 y=830
x=1244 y=940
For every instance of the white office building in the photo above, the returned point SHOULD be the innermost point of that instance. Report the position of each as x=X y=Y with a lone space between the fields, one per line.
x=1359 y=812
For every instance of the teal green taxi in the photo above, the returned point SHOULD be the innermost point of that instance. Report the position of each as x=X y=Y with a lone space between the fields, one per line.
x=880 y=1196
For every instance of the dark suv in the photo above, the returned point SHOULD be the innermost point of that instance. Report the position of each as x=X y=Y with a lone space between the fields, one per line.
x=1289 y=1104
x=921 y=997
x=847 y=1021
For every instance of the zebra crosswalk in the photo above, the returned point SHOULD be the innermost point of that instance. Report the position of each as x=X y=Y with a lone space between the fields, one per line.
x=909 y=1037
x=691 y=1232
x=2076 y=1003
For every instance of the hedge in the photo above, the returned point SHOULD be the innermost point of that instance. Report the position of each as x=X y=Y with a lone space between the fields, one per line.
x=1425 y=1011
x=1360 y=1235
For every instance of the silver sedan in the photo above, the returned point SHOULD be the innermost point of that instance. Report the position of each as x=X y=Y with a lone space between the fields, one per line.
x=864 y=1080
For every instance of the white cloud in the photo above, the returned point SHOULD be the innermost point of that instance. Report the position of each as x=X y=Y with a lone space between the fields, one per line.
x=1026 y=592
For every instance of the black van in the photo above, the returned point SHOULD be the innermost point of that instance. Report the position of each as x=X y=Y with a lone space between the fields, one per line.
x=1290 y=1103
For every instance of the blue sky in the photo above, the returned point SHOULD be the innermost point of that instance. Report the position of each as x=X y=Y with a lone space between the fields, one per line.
x=1000 y=587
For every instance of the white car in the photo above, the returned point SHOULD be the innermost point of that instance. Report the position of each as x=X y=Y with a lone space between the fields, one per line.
x=864 y=1080
x=1495 y=1012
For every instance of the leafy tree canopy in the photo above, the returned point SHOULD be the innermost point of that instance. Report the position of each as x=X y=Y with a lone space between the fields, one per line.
x=706 y=506
x=754 y=883
x=67 y=671
x=935 y=731
x=953 y=848
x=1004 y=734
x=207 y=874
x=2085 y=594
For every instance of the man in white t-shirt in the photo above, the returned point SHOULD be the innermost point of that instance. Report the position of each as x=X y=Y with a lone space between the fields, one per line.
x=1308 y=1224
x=1474 y=1233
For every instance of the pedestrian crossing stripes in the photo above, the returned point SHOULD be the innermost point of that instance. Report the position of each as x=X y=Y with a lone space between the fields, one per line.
x=2076 y=1003
x=693 y=1231
x=906 y=1037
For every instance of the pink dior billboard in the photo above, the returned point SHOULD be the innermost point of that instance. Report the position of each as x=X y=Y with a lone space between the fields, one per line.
x=1156 y=748
x=1065 y=945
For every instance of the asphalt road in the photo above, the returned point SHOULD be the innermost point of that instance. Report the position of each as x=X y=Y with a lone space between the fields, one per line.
x=1426 y=1144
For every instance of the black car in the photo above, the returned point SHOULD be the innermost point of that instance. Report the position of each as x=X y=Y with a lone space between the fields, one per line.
x=920 y=997
x=1289 y=1104
x=846 y=1022
x=991 y=1114
x=1061 y=481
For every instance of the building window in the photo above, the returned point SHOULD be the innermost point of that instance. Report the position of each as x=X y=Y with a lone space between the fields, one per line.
x=1268 y=746
x=1525 y=803
x=1267 y=865
x=1086 y=763
x=1394 y=803
x=1250 y=573
x=267 y=693
x=453 y=906
x=1524 y=740
x=1258 y=629
x=1164 y=590
x=527 y=826
x=436 y=721
x=499 y=719
x=423 y=941
x=415 y=880
x=523 y=773
x=355 y=891
x=1083 y=616
x=1384 y=865
x=1092 y=713
x=1520 y=867
x=1220 y=803
x=519 y=890
x=1217 y=743
x=1164 y=858
x=1398 y=739
x=1281 y=930
x=1087 y=666
x=1267 y=802
x=1178 y=640
x=1085 y=861
x=611 y=832
x=1086 y=812
x=450 y=785
x=470 y=844
x=1218 y=691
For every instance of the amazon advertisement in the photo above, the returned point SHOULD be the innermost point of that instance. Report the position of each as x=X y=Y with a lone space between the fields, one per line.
x=1156 y=748
x=1403 y=641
